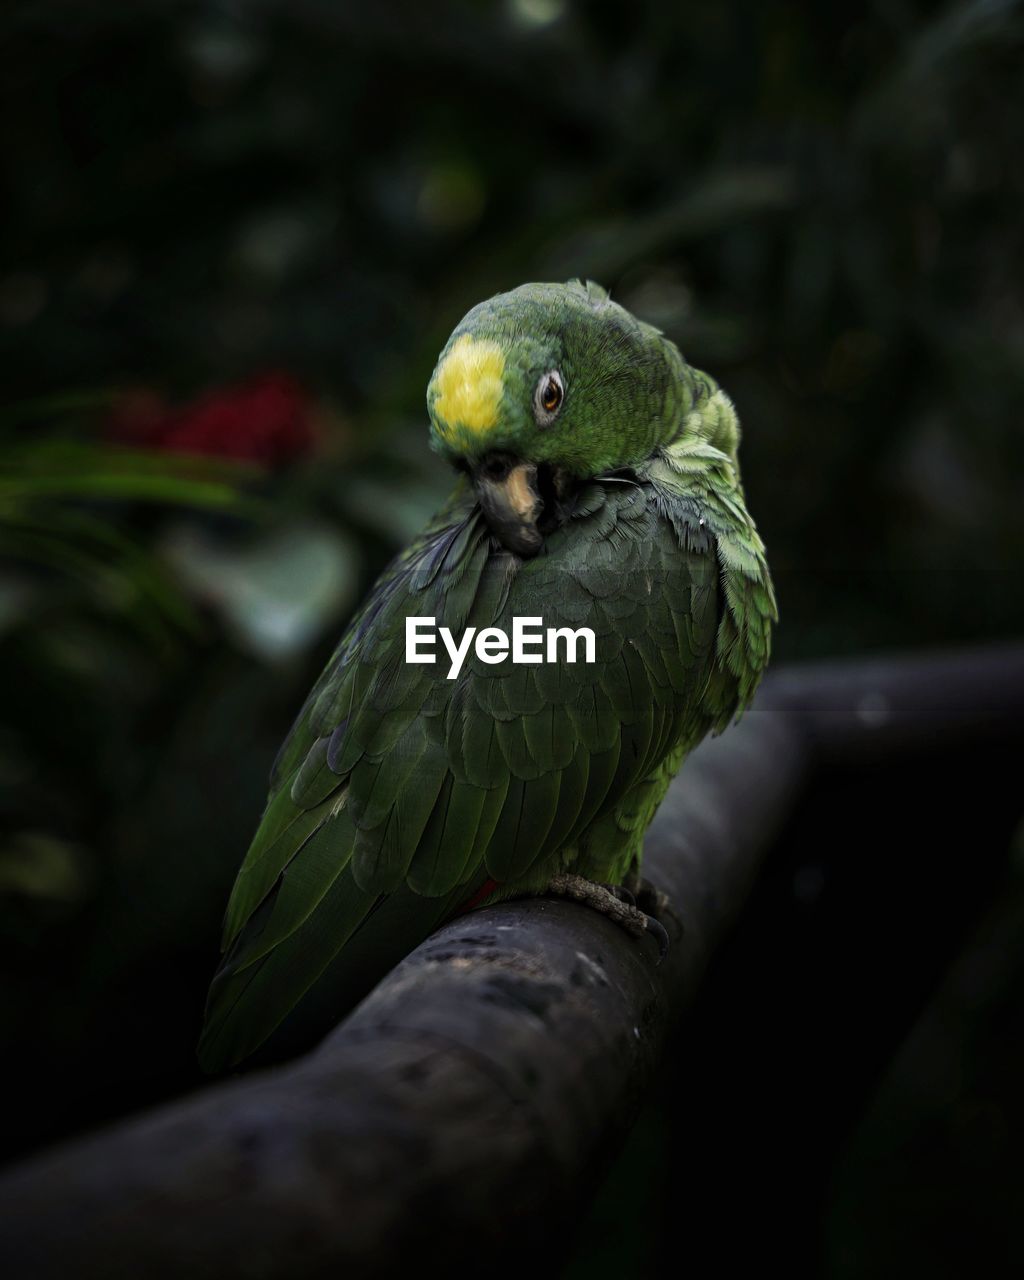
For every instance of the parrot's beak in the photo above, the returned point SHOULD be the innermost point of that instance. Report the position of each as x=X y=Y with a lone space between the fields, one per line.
x=509 y=496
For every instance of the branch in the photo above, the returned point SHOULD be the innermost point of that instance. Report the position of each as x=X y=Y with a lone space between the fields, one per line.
x=474 y=1096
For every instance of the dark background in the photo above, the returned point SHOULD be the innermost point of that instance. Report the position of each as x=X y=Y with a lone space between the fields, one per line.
x=245 y=230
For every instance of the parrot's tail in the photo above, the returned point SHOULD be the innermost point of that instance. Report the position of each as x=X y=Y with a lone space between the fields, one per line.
x=267 y=1006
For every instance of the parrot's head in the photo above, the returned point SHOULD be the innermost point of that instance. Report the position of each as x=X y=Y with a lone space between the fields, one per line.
x=547 y=386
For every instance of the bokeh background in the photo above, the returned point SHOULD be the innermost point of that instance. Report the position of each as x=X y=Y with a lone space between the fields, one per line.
x=235 y=236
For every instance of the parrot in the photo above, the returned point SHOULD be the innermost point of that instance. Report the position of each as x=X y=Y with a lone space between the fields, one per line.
x=597 y=486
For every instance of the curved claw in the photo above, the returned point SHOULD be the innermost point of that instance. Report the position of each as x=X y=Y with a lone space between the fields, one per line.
x=657 y=931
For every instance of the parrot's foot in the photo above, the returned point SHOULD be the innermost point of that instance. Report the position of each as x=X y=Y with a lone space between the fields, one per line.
x=649 y=899
x=621 y=892
x=612 y=901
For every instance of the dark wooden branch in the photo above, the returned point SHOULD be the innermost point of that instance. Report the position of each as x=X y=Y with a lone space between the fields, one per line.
x=878 y=707
x=471 y=1099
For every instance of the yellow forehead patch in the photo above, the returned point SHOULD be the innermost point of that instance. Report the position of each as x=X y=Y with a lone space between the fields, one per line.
x=468 y=385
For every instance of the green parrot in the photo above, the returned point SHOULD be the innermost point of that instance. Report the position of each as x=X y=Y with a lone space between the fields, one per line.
x=599 y=488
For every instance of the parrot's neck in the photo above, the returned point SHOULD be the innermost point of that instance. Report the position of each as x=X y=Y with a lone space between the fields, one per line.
x=702 y=444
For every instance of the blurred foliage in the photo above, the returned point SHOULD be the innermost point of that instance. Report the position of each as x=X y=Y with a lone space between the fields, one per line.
x=822 y=205
x=54 y=494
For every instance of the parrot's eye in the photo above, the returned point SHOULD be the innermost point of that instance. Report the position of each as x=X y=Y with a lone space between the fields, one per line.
x=547 y=399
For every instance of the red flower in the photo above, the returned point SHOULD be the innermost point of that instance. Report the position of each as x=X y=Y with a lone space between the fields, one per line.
x=267 y=419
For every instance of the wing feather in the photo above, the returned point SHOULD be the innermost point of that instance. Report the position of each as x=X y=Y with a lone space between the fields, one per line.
x=398 y=787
